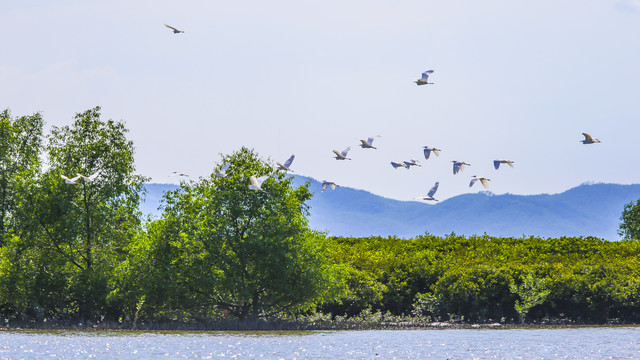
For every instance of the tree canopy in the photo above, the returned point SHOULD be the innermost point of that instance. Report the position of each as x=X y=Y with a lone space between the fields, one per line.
x=77 y=231
x=630 y=221
x=20 y=147
x=243 y=252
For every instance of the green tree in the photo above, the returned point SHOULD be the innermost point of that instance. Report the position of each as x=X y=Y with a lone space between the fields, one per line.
x=630 y=226
x=78 y=231
x=20 y=147
x=532 y=291
x=221 y=247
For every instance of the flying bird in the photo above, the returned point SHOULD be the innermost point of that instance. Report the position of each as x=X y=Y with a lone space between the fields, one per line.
x=399 y=164
x=588 y=139
x=91 y=177
x=412 y=162
x=424 y=80
x=256 y=184
x=222 y=171
x=178 y=173
x=175 y=31
x=326 y=184
x=72 y=180
x=431 y=192
x=342 y=155
x=367 y=144
x=429 y=149
x=483 y=181
x=497 y=162
x=286 y=164
x=459 y=166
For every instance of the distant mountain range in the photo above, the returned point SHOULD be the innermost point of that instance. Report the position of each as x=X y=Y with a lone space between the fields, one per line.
x=586 y=210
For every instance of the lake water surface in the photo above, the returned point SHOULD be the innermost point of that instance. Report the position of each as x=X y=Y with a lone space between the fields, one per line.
x=561 y=343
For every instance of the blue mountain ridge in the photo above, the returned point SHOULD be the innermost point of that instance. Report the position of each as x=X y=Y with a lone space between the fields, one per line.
x=585 y=210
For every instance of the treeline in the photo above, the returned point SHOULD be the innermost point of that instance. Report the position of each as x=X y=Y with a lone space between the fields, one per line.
x=75 y=247
x=488 y=279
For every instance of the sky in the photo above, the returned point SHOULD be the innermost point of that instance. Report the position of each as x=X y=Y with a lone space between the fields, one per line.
x=512 y=79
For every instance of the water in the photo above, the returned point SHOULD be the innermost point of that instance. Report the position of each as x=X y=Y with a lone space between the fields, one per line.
x=564 y=343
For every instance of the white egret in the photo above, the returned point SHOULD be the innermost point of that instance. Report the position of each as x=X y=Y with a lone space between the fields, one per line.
x=286 y=164
x=256 y=184
x=342 y=155
x=424 y=80
x=91 y=177
x=458 y=166
x=429 y=149
x=431 y=192
x=483 y=181
x=399 y=164
x=175 y=31
x=367 y=144
x=497 y=162
x=222 y=171
x=72 y=180
x=588 y=139
x=326 y=184
x=412 y=162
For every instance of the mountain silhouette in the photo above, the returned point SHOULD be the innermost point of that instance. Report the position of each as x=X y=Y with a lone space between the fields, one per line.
x=586 y=210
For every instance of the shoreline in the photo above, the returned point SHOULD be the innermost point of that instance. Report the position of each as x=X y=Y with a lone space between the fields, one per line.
x=264 y=326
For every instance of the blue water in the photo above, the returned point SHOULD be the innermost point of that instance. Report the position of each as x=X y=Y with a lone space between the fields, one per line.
x=564 y=343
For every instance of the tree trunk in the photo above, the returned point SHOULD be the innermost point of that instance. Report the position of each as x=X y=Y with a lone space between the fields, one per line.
x=256 y=306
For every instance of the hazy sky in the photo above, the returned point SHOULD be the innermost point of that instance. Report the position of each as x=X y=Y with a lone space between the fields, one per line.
x=513 y=79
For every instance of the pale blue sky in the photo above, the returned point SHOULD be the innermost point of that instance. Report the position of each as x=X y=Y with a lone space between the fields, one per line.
x=513 y=79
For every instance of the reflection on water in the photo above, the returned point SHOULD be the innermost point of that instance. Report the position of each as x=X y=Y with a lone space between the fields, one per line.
x=564 y=343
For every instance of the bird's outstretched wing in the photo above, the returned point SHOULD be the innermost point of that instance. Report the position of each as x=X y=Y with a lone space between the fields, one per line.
x=72 y=180
x=473 y=181
x=587 y=137
x=484 y=182
x=222 y=171
x=93 y=176
x=289 y=161
x=256 y=183
x=433 y=190
x=174 y=29
x=496 y=164
x=346 y=151
x=425 y=75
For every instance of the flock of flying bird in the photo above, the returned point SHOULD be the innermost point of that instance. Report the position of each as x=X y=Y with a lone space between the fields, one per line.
x=256 y=183
x=427 y=150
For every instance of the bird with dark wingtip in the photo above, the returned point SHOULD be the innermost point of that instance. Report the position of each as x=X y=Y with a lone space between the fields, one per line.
x=588 y=139
x=175 y=31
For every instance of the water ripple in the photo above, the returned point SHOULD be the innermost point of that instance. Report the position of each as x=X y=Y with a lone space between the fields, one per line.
x=565 y=343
